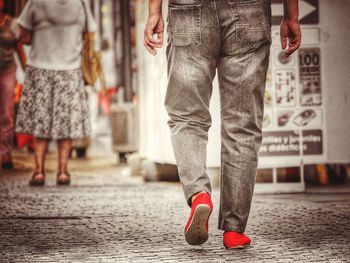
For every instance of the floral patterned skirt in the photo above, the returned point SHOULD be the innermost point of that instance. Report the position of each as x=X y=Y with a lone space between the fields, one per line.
x=54 y=105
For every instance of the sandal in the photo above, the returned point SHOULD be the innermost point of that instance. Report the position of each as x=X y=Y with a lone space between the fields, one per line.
x=63 y=182
x=35 y=182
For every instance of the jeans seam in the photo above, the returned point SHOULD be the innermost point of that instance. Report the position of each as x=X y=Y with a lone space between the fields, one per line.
x=216 y=14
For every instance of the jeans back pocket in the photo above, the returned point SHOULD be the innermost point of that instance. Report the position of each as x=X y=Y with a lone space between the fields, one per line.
x=185 y=25
x=253 y=21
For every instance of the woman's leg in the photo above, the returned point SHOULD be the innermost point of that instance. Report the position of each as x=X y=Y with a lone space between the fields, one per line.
x=64 y=147
x=7 y=87
x=40 y=147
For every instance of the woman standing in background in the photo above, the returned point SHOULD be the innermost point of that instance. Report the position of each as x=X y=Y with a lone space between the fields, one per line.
x=54 y=101
x=8 y=46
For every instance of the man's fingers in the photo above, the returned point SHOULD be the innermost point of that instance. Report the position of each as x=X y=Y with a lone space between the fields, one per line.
x=283 y=42
x=149 y=48
x=153 y=45
x=290 y=36
x=291 y=49
x=149 y=35
x=293 y=45
x=151 y=41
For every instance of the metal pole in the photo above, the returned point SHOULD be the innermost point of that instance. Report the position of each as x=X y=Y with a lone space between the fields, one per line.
x=100 y=18
x=116 y=28
x=118 y=45
x=126 y=42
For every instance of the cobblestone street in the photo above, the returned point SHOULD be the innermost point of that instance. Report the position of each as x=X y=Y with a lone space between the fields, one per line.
x=108 y=216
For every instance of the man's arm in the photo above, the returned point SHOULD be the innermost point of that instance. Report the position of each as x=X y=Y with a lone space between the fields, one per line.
x=290 y=28
x=154 y=30
x=155 y=6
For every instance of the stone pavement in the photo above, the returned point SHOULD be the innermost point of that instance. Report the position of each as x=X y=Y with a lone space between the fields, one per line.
x=109 y=216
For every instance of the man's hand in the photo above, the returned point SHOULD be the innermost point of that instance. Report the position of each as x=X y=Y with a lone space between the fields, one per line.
x=290 y=36
x=154 y=33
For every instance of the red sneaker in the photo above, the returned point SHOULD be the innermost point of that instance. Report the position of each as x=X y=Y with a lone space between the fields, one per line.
x=196 y=230
x=233 y=240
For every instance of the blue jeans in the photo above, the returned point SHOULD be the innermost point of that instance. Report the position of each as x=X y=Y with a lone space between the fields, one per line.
x=232 y=37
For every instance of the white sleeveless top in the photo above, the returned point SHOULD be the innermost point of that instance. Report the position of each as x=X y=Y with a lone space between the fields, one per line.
x=57 y=28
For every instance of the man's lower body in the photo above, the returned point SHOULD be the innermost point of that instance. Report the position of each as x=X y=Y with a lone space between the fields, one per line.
x=233 y=38
x=7 y=89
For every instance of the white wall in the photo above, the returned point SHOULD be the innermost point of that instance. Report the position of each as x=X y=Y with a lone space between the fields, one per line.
x=335 y=56
x=154 y=133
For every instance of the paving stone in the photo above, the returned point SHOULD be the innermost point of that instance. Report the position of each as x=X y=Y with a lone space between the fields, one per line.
x=105 y=217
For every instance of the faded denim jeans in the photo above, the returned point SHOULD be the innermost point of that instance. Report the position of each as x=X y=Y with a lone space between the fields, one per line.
x=232 y=37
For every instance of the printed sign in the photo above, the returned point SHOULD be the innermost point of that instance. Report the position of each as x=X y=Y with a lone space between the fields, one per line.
x=308 y=12
x=309 y=77
x=280 y=143
x=299 y=118
x=287 y=143
x=312 y=142
x=285 y=85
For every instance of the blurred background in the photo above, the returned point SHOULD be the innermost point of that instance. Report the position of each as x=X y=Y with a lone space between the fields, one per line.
x=306 y=144
x=125 y=188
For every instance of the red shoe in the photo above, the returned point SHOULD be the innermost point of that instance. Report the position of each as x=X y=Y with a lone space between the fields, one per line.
x=196 y=230
x=233 y=240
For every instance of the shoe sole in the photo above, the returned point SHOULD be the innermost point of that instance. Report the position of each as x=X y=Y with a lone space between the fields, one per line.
x=238 y=247
x=197 y=233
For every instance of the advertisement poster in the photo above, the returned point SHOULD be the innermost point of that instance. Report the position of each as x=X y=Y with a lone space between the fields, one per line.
x=310 y=77
x=293 y=124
